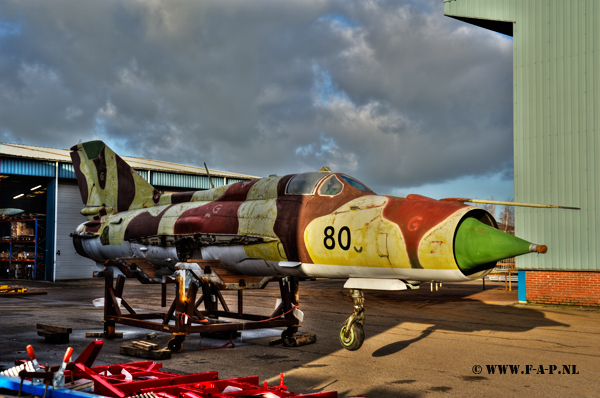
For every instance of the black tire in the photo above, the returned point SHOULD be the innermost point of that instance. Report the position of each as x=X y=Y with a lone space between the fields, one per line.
x=289 y=332
x=109 y=331
x=355 y=338
x=175 y=345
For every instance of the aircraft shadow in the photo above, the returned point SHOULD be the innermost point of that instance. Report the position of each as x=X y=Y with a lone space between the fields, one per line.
x=393 y=348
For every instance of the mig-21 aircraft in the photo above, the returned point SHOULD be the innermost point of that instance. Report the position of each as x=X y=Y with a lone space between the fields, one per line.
x=10 y=212
x=308 y=225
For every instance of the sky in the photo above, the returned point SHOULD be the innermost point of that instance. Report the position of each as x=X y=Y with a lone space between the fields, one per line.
x=393 y=93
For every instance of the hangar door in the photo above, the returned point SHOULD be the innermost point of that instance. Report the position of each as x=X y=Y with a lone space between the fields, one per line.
x=69 y=264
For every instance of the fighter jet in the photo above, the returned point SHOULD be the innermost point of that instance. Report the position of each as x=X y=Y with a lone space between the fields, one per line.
x=309 y=225
x=8 y=212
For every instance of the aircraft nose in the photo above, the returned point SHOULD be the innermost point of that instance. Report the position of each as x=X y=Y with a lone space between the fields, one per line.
x=477 y=244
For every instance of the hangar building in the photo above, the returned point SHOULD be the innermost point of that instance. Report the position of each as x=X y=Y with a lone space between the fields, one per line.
x=556 y=99
x=41 y=181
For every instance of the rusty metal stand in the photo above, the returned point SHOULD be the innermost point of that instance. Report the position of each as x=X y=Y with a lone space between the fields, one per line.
x=183 y=316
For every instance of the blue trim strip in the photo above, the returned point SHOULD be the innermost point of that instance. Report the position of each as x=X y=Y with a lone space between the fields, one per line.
x=66 y=170
x=13 y=383
x=27 y=167
x=50 y=216
x=522 y=285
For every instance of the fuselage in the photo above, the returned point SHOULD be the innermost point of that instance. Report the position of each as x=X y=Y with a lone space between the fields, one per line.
x=308 y=225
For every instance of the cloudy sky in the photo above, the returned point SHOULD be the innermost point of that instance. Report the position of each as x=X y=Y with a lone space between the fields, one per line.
x=391 y=92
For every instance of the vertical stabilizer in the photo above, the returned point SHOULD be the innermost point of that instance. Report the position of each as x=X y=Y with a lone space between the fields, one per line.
x=107 y=182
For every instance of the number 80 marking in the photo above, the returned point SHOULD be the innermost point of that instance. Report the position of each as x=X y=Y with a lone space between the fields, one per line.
x=329 y=240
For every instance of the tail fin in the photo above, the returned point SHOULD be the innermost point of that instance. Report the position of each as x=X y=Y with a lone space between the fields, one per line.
x=107 y=181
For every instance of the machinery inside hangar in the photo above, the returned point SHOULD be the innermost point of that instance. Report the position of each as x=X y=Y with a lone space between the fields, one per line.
x=39 y=185
x=23 y=235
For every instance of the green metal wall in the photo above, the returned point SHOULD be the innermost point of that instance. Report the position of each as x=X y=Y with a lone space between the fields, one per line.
x=556 y=49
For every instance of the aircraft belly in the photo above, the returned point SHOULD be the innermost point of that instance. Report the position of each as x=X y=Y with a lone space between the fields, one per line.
x=410 y=274
x=156 y=255
x=234 y=258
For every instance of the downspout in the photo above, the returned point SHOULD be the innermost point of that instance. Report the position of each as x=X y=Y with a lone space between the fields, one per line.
x=55 y=221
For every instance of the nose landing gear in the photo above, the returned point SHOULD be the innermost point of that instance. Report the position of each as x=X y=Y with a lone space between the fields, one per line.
x=352 y=334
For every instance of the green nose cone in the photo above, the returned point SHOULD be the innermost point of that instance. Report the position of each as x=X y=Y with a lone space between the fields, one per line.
x=477 y=245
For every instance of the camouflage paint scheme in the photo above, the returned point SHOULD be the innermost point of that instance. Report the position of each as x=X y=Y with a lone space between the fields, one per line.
x=255 y=228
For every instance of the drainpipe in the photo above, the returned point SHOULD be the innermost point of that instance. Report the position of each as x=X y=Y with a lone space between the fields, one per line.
x=55 y=221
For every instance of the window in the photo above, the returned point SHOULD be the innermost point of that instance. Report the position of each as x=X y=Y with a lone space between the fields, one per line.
x=331 y=187
x=354 y=183
x=305 y=183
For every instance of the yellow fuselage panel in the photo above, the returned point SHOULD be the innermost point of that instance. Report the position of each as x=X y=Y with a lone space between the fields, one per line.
x=355 y=234
x=436 y=248
x=257 y=218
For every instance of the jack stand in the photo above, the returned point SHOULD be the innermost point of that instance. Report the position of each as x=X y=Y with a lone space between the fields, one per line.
x=183 y=317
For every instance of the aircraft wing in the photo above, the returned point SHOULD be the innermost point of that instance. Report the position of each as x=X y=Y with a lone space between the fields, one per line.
x=506 y=203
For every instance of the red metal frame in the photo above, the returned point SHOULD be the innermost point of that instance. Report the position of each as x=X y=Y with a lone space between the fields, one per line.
x=136 y=378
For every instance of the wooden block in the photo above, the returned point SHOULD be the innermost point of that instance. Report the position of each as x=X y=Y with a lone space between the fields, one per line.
x=53 y=328
x=144 y=345
x=163 y=353
x=152 y=335
x=298 y=341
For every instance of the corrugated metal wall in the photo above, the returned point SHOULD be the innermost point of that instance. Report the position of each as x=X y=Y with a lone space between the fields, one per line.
x=27 y=167
x=143 y=173
x=69 y=264
x=184 y=180
x=66 y=170
x=234 y=180
x=556 y=124
x=32 y=167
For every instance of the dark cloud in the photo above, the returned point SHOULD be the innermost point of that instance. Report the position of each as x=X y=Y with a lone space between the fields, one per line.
x=394 y=93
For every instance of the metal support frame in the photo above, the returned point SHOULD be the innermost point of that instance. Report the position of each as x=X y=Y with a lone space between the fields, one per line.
x=184 y=317
x=146 y=380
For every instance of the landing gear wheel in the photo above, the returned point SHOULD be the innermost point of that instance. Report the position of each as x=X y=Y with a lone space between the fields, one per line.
x=355 y=337
x=175 y=345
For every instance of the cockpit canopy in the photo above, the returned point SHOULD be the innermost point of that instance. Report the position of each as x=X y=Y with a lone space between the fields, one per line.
x=307 y=183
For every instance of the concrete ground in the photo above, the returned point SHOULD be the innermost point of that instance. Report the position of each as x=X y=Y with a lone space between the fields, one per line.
x=419 y=343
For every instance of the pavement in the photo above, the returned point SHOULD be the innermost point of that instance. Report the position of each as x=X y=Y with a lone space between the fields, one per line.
x=457 y=341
